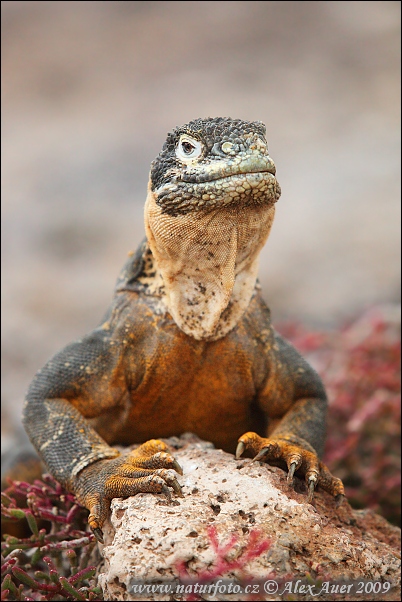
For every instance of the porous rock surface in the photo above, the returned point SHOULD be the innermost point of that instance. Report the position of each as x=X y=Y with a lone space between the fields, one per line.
x=147 y=538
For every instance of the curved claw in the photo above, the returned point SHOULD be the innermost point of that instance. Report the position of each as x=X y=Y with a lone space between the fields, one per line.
x=240 y=449
x=292 y=470
x=177 y=467
x=176 y=488
x=165 y=490
x=339 y=499
x=261 y=454
x=311 y=487
x=98 y=534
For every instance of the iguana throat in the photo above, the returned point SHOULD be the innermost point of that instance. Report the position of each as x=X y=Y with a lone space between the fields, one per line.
x=208 y=262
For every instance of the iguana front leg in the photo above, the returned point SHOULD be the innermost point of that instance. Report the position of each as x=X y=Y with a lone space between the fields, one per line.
x=297 y=441
x=87 y=380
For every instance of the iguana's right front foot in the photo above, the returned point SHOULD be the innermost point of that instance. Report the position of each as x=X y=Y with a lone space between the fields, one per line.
x=147 y=469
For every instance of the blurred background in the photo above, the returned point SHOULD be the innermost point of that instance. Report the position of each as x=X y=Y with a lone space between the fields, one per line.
x=90 y=90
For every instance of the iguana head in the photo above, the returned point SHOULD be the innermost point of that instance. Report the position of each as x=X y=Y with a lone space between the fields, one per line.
x=209 y=209
x=211 y=163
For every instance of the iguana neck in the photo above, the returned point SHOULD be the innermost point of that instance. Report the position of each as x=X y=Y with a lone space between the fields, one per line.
x=208 y=263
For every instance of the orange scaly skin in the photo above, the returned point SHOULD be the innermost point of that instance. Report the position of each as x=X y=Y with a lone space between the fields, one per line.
x=139 y=375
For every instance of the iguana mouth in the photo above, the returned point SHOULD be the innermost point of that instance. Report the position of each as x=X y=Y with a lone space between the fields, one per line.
x=214 y=176
x=244 y=163
x=235 y=176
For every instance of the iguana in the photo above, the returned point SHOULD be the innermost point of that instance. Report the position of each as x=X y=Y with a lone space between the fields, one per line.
x=187 y=343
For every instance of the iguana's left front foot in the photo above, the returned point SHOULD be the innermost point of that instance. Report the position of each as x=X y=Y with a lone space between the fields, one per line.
x=296 y=458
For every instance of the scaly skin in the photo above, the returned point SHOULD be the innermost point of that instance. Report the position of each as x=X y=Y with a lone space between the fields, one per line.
x=187 y=344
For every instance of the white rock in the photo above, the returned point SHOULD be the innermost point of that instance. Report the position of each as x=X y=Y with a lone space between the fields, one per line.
x=147 y=538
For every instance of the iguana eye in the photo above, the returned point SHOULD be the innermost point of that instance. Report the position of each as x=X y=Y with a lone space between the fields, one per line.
x=188 y=149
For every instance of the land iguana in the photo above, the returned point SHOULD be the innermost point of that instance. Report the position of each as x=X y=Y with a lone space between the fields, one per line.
x=187 y=344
